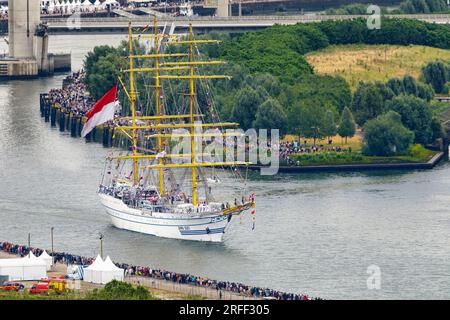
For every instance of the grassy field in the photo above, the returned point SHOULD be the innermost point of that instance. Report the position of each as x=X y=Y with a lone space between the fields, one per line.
x=355 y=143
x=373 y=62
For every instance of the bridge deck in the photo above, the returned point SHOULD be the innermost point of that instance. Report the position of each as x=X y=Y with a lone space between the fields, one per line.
x=215 y=23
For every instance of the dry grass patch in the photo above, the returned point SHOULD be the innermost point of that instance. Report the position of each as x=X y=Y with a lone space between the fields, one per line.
x=355 y=142
x=357 y=63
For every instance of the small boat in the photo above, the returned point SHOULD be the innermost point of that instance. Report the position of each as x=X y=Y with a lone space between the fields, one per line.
x=213 y=180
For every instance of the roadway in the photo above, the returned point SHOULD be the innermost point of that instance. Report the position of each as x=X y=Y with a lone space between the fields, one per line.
x=206 y=24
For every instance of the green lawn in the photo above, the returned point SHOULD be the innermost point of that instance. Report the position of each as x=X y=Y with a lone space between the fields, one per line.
x=417 y=154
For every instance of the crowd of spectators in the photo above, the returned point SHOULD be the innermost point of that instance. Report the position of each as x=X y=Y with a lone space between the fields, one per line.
x=56 y=10
x=295 y=147
x=181 y=278
x=73 y=97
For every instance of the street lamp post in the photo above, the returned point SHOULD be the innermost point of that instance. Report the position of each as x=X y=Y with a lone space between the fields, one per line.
x=52 y=255
x=29 y=244
x=51 y=230
x=101 y=245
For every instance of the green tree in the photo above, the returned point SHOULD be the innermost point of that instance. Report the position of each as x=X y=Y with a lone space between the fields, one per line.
x=415 y=115
x=436 y=129
x=270 y=115
x=93 y=57
x=367 y=103
x=246 y=105
x=385 y=91
x=410 y=85
x=386 y=136
x=436 y=73
x=306 y=117
x=104 y=75
x=396 y=85
x=347 y=126
x=437 y=5
x=425 y=91
x=323 y=90
x=329 y=128
x=103 y=66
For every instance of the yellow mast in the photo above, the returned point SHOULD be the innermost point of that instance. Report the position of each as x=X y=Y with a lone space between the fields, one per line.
x=160 y=66
x=191 y=113
x=133 y=110
x=158 y=104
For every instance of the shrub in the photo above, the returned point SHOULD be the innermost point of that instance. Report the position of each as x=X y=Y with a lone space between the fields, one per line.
x=386 y=136
x=117 y=290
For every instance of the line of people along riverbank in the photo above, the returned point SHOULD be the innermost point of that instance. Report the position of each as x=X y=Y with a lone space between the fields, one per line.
x=175 y=277
x=74 y=96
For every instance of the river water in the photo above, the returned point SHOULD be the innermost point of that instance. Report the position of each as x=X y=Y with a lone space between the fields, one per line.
x=315 y=233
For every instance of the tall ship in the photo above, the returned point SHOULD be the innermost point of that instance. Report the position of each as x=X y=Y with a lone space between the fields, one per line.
x=148 y=187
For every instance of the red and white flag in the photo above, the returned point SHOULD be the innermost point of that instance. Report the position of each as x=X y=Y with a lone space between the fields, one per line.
x=102 y=112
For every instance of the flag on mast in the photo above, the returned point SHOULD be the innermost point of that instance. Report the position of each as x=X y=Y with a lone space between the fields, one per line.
x=103 y=111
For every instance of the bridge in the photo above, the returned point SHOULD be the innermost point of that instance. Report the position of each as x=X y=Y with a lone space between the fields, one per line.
x=208 y=24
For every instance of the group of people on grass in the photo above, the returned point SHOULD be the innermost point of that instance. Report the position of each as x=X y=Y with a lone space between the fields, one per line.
x=181 y=278
x=295 y=147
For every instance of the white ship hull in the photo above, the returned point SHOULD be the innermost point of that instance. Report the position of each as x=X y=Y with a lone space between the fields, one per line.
x=206 y=227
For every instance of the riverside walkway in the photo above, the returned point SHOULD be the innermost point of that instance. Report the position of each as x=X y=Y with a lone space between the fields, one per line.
x=206 y=24
x=180 y=283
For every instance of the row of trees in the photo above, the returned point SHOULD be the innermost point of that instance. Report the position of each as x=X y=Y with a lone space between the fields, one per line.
x=406 y=7
x=423 y=6
x=407 y=97
x=309 y=118
x=370 y=98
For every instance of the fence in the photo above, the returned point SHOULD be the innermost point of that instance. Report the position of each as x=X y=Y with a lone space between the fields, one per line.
x=186 y=289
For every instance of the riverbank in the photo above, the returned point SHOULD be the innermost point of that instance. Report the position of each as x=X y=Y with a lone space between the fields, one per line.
x=431 y=163
x=157 y=288
x=185 y=286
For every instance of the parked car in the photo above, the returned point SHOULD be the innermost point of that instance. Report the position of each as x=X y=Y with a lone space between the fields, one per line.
x=12 y=286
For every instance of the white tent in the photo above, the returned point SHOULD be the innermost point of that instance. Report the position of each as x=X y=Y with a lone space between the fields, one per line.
x=87 y=6
x=51 y=7
x=48 y=260
x=112 y=271
x=23 y=268
x=93 y=273
x=70 y=6
x=103 y=271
